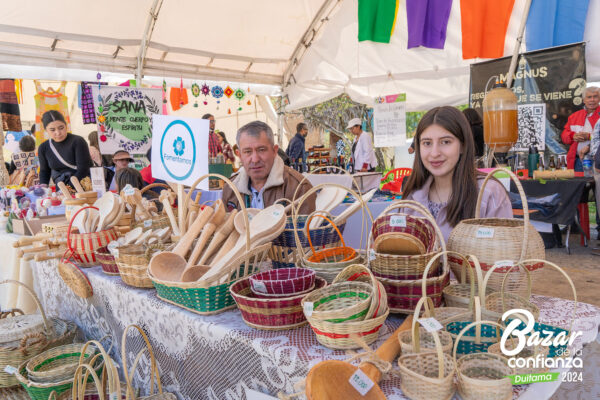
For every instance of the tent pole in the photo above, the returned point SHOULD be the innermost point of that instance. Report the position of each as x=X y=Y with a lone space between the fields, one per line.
x=150 y=22
x=515 y=56
x=280 y=122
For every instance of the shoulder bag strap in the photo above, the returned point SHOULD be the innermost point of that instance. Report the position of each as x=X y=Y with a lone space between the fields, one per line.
x=62 y=160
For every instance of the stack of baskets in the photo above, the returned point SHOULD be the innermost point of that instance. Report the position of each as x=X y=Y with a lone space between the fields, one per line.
x=402 y=275
x=271 y=300
x=107 y=261
x=354 y=304
x=83 y=246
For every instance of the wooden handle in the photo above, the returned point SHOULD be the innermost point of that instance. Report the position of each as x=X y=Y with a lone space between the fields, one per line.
x=64 y=190
x=167 y=206
x=25 y=241
x=186 y=240
x=220 y=235
x=228 y=245
x=388 y=351
x=21 y=252
x=77 y=185
x=207 y=232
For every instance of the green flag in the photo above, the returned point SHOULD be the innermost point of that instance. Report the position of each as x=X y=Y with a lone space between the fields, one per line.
x=376 y=20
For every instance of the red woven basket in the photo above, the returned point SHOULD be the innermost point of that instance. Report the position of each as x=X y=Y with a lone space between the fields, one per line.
x=83 y=246
x=279 y=313
x=282 y=282
x=418 y=227
x=107 y=261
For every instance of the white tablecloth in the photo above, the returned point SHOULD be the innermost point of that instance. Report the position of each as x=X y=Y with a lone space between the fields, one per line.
x=216 y=357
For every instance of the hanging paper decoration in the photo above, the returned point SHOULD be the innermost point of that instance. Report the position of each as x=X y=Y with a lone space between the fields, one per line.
x=195 y=93
x=228 y=91
x=229 y=111
x=239 y=94
x=164 y=89
x=205 y=92
x=217 y=93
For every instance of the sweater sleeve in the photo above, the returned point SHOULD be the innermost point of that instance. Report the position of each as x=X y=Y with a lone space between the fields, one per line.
x=83 y=160
x=44 y=166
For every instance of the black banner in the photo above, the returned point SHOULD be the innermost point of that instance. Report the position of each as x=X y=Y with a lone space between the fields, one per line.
x=549 y=86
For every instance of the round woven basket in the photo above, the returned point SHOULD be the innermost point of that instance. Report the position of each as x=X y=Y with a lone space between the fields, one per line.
x=497 y=239
x=482 y=375
x=83 y=246
x=57 y=364
x=339 y=302
x=133 y=264
x=157 y=221
x=417 y=339
x=461 y=294
x=360 y=273
x=107 y=261
x=283 y=282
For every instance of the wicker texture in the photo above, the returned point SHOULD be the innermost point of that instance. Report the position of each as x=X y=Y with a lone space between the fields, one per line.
x=273 y=314
x=83 y=246
x=283 y=282
x=75 y=279
x=461 y=294
x=340 y=302
x=417 y=339
x=482 y=375
x=360 y=273
x=417 y=227
x=133 y=264
x=57 y=364
x=107 y=261
x=428 y=375
x=497 y=239
x=528 y=352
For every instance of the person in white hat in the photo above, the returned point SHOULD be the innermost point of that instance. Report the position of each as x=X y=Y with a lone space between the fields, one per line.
x=362 y=148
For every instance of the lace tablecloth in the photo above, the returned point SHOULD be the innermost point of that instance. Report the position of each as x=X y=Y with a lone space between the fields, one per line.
x=217 y=357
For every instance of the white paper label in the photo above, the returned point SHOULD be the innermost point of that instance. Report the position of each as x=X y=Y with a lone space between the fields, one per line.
x=430 y=324
x=259 y=286
x=371 y=255
x=398 y=221
x=254 y=395
x=9 y=369
x=485 y=233
x=147 y=223
x=276 y=213
x=361 y=382
x=504 y=263
x=114 y=396
x=128 y=190
x=308 y=308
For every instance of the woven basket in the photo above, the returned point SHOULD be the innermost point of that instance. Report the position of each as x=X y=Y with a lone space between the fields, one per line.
x=428 y=375
x=272 y=314
x=528 y=353
x=283 y=282
x=75 y=278
x=482 y=375
x=57 y=364
x=83 y=246
x=416 y=227
x=496 y=239
x=360 y=273
x=32 y=343
x=461 y=294
x=154 y=374
x=417 y=339
x=157 y=221
x=133 y=264
x=339 y=302
x=107 y=261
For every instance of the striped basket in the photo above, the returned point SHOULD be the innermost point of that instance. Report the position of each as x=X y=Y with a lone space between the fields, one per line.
x=83 y=246
x=283 y=282
x=272 y=314
x=107 y=261
x=341 y=302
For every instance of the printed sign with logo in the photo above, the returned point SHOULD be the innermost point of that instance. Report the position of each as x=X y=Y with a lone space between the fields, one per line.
x=180 y=149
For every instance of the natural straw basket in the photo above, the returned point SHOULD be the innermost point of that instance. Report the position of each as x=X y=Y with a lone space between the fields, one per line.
x=360 y=273
x=340 y=302
x=428 y=375
x=482 y=375
x=157 y=221
x=84 y=245
x=107 y=261
x=528 y=353
x=461 y=294
x=75 y=278
x=133 y=264
x=213 y=296
x=33 y=342
x=154 y=374
x=272 y=314
x=412 y=341
x=495 y=239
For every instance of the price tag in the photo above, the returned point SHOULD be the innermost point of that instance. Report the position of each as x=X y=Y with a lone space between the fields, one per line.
x=484 y=233
x=147 y=223
x=9 y=369
x=128 y=190
x=308 y=308
x=361 y=382
x=372 y=255
x=504 y=263
x=114 y=396
x=398 y=221
x=430 y=324
x=259 y=286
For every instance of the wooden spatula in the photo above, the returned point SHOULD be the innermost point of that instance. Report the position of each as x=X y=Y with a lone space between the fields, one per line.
x=77 y=185
x=221 y=234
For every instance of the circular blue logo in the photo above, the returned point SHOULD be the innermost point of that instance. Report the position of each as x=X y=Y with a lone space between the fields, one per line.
x=181 y=159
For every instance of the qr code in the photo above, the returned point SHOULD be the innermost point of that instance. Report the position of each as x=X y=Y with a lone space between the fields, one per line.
x=532 y=127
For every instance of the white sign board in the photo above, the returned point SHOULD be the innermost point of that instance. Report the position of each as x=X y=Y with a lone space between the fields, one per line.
x=389 y=120
x=180 y=149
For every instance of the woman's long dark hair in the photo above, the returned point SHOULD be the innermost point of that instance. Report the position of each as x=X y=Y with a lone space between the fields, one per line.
x=222 y=134
x=463 y=199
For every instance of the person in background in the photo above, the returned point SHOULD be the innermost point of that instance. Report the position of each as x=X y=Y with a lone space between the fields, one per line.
x=411 y=148
x=227 y=150
x=121 y=160
x=362 y=148
x=444 y=178
x=26 y=156
x=263 y=178
x=131 y=176
x=477 y=128
x=579 y=127
x=95 y=149
x=63 y=155
x=297 y=147
x=146 y=172
x=214 y=146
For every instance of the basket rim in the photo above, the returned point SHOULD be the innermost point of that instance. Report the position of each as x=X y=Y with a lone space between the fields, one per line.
x=234 y=289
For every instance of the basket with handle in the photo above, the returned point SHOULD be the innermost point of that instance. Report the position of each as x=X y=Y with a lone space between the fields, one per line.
x=497 y=239
x=427 y=375
x=213 y=296
x=527 y=353
x=405 y=267
x=555 y=350
x=412 y=341
x=360 y=273
x=154 y=374
x=133 y=260
x=340 y=302
x=24 y=336
x=461 y=294
x=482 y=375
x=83 y=246
x=157 y=221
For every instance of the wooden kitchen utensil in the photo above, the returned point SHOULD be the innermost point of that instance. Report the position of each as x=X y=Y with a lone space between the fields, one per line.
x=165 y=199
x=220 y=235
x=77 y=185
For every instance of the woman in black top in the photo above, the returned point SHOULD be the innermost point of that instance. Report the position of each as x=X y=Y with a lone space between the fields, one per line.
x=63 y=155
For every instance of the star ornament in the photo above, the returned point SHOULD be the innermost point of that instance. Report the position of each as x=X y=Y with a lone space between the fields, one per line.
x=228 y=91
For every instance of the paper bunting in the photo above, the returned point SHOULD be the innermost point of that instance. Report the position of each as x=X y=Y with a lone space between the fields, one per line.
x=228 y=91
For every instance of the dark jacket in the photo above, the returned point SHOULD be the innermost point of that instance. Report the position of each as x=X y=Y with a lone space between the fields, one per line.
x=74 y=150
x=295 y=150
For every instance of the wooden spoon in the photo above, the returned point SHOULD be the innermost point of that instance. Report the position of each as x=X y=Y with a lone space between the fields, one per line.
x=64 y=190
x=165 y=199
x=168 y=265
x=220 y=235
x=77 y=185
x=79 y=220
x=134 y=197
x=228 y=245
x=216 y=220
x=330 y=379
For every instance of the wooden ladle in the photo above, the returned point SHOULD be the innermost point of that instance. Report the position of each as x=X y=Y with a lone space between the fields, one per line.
x=330 y=379
x=166 y=200
x=169 y=266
